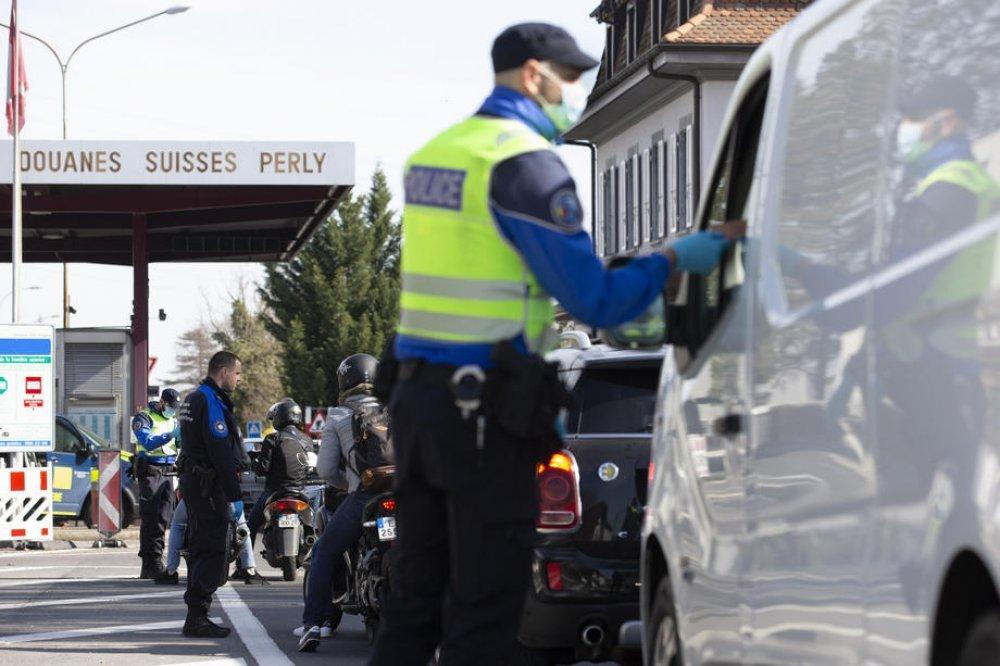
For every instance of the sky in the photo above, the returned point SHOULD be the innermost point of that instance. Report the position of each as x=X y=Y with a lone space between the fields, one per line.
x=386 y=75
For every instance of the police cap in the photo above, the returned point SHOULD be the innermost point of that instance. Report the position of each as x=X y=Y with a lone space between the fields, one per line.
x=539 y=41
x=170 y=398
x=939 y=93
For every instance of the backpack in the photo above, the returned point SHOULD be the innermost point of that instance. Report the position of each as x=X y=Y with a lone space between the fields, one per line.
x=372 y=444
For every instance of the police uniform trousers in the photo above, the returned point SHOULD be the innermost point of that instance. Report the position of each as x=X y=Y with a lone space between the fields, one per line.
x=208 y=528
x=157 y=501
x=466 y=527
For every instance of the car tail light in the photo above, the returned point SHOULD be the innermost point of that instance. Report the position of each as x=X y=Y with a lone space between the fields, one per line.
x=288 y=505
x=389 y=504
x=651 y=473
x=559 y=494
x=553 y=575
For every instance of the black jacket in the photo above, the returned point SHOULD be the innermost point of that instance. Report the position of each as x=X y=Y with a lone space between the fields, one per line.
x=283 y=460
x=211 y=436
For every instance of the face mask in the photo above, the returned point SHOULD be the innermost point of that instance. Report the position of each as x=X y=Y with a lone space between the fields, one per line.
x=574 y=101
x=169 y=412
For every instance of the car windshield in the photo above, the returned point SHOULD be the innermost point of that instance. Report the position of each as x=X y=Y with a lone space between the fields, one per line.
x=93 y=437
x=615 y=400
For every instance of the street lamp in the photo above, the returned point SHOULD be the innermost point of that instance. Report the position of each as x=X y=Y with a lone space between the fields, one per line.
x=64 y=67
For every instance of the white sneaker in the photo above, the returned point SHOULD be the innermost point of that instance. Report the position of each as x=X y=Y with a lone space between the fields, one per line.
x=324 y=632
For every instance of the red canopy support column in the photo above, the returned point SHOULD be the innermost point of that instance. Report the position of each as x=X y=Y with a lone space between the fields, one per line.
x=140 y=312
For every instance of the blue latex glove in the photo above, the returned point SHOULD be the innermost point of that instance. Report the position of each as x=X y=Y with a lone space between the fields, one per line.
x=700 y=252
x=237 y=509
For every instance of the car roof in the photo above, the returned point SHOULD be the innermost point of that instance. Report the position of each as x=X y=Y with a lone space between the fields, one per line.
x=575 y=360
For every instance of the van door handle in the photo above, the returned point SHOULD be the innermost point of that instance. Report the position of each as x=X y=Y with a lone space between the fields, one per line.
x=729 y=425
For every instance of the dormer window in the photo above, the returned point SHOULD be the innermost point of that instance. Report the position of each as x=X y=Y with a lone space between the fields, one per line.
x=609 y=52
x=683 y=11
x=632 y=32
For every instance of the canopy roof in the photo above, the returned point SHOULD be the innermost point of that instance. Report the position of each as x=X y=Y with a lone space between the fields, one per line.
x=203 y=201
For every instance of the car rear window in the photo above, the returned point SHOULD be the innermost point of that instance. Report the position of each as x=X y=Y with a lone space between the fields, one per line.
x=615 y=400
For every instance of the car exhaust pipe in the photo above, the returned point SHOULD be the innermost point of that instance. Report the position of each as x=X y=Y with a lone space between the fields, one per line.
x=592 y=635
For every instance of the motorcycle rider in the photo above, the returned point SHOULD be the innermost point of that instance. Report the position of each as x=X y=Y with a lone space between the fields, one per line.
x=283 y=459
x=340 y=464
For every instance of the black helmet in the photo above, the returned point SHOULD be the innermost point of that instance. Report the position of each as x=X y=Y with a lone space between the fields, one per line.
x=286 y=412
x=170 y=398
x=356 y=374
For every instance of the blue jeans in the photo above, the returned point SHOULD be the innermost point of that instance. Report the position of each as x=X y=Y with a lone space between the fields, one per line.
x=177 y=527
x=327 y=559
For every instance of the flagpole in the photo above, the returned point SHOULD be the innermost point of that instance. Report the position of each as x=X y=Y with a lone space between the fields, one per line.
x=15 y=316
x=15 y=218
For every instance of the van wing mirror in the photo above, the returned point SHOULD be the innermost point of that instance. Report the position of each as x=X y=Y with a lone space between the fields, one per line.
x=648 y=330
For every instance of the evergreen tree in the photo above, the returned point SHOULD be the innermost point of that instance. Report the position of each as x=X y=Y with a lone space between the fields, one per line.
x=339 y=296
x=246 y=335
x=196 y=347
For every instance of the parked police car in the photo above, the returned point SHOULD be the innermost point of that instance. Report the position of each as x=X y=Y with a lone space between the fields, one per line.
x=586 y=567
x=74 y=469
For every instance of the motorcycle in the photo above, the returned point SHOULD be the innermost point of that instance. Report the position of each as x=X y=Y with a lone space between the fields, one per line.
x=368 y=565
x=287 y=532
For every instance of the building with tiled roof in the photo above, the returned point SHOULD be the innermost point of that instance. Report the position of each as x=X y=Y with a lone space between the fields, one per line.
x=668 y=69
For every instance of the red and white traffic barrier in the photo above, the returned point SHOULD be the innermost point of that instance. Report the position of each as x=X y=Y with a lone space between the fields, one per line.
x=26 y=504
x=107 y=495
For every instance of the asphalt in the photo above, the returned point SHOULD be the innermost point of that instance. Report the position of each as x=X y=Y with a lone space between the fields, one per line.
x=117 y=619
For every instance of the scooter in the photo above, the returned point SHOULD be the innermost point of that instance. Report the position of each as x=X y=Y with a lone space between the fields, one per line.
x=368 y=565
x=288 y=532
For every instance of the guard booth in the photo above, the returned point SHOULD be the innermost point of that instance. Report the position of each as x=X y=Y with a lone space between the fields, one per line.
x=138 y=202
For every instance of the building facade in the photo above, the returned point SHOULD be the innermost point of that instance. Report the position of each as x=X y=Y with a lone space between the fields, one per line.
x=668 y=69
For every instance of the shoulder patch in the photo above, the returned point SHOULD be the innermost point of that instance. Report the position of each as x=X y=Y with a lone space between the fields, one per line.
x=219 y=427
x=565 y=208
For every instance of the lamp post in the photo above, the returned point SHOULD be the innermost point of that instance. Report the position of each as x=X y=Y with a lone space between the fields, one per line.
x=64 y=68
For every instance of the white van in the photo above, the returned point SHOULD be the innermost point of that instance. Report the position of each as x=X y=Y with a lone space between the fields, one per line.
x=825 y=476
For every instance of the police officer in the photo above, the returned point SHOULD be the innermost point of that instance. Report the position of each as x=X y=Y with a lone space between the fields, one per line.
x=213 y=456
x=154 y=436
x=493 y=230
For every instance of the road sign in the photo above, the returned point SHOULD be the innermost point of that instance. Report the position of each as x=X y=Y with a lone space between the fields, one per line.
x=316 y=424
x=255 y=430
x=27 y=412
x=26 y=509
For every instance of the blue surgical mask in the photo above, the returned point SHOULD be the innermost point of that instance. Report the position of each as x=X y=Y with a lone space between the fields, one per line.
x=910 y=144
x=574 y=101
x=169 y=412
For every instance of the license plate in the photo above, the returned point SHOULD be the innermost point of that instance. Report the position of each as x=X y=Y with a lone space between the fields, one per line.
x=288 y=520
x=386 y=528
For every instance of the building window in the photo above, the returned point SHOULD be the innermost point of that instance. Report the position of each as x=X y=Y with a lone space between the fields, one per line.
x=681 y=174
x=683 y=11
x=645 y=220
x=632 y=28
x=616 y=172
x=609 y=213
x=629 y=204
x=609 y=52
x=655 y=223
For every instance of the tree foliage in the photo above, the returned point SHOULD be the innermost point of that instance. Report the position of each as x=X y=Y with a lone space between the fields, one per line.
x=246 y=335
x=339 y=296
x=195 y=348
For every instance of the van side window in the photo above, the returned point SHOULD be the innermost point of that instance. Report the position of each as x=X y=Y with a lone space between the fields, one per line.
x=66 y=439
x=708 y=296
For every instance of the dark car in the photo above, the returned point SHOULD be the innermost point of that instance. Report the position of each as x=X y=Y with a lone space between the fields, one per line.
x=74 y=469
x=585 y=571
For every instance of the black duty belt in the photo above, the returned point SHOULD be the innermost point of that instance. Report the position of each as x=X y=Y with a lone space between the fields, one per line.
x=426 y=372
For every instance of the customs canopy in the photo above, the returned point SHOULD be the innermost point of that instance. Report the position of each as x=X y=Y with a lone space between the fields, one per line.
x=135 y=202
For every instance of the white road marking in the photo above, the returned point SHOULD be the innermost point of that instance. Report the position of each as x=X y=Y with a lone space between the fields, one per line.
x=214 y=662
x=58 y=581
x=47 y=567
x=250 y=630
x=82 y=601
x=93 y=631
x=70 y=551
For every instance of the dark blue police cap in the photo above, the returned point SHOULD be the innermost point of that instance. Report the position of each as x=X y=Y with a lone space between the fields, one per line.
x=539 y=41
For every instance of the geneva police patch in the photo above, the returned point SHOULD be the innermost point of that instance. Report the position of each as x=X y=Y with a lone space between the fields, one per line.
x=220 y=427
x=565 y=208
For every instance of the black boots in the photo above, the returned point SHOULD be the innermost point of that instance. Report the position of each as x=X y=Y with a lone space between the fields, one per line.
x=167 y=578
x=197 y=625
x=152 y=568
